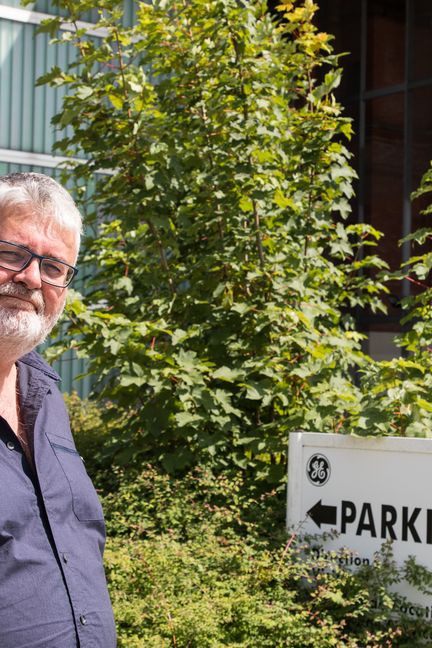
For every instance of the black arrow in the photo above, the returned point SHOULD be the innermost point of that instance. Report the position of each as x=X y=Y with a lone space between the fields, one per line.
x=322 y=514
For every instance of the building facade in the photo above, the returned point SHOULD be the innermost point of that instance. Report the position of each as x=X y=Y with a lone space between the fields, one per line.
x=387 y=90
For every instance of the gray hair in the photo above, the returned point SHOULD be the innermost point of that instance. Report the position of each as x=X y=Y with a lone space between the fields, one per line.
x=44 y=196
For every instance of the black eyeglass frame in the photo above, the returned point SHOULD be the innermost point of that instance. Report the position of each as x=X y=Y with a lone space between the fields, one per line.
x=40 y=258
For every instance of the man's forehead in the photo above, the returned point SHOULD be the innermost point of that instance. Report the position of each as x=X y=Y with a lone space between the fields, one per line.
x=27 y=227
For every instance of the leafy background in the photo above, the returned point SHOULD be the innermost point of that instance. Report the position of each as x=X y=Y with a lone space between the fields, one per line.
x=224 y=280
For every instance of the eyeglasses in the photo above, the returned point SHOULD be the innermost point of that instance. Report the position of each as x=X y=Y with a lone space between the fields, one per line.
x=52 y=271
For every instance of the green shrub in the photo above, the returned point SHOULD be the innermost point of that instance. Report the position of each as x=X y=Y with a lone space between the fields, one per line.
x=148 y=502
x=198 y=562
x=212 y=593
x=204 y=561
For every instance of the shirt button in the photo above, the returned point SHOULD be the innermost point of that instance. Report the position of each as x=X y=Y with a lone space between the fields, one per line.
x=83 y=620
x=65 y=557
x=10 y=445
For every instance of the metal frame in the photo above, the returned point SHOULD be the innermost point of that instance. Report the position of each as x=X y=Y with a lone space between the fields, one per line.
x=36 y=17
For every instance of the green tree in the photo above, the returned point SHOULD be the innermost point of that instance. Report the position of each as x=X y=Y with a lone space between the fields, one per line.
x=225 y=274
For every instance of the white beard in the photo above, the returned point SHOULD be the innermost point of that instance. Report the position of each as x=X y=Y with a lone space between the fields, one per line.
x=22 y=330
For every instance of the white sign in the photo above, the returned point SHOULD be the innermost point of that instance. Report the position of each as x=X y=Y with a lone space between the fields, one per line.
x=370 y=490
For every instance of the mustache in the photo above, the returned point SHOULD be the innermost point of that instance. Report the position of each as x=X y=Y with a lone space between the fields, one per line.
x=19 y=290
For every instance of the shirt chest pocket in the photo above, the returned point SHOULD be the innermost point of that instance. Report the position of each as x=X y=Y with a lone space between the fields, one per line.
x=85 y=502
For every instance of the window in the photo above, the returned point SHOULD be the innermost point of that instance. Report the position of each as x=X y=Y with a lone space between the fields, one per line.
x=387 y=90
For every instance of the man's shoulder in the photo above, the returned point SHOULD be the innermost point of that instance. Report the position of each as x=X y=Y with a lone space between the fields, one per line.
x=35 y=361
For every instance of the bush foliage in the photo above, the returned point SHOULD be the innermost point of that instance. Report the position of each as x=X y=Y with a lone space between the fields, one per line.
x=203 y=560
x=194 y=563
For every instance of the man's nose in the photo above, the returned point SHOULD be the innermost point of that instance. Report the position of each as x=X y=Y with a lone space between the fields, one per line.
x=30 y=275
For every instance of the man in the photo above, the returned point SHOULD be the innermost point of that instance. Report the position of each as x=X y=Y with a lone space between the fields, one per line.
x=53 y=592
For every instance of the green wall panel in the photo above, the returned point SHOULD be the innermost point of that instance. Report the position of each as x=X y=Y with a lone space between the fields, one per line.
x=26 y=110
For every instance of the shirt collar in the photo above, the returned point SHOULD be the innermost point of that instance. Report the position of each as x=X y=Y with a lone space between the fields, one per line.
x=35 y=361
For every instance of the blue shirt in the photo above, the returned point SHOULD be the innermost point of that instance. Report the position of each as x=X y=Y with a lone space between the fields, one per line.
x=53 y=592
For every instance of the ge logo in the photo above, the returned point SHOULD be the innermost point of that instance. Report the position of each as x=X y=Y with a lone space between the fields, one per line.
x=318 y=470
